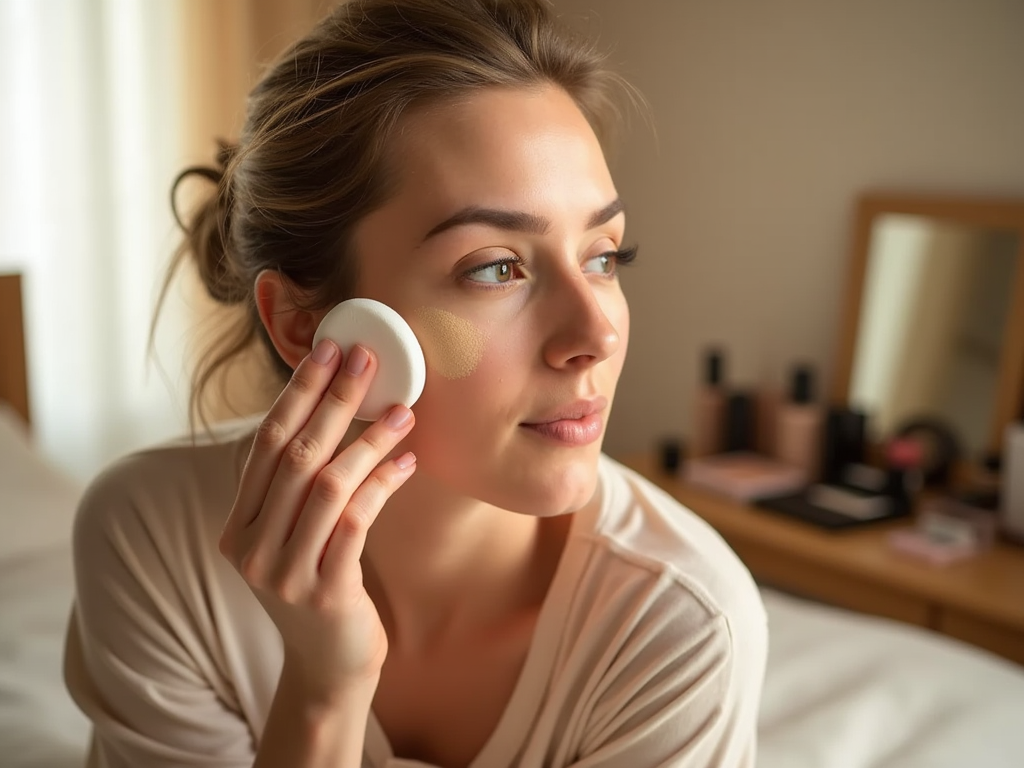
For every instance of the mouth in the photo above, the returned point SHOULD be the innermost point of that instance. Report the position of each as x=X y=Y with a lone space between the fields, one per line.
x=575 y=424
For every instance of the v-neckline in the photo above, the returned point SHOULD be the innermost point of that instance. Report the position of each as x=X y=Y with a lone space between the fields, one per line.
x=508 y=735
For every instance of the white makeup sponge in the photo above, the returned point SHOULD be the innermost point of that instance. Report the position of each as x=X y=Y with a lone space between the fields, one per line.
x=401 y=369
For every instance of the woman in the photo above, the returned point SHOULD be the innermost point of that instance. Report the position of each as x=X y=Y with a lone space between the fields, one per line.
x=466 y=583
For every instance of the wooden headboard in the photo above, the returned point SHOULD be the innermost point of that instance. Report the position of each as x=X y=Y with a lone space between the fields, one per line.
x=13 y=366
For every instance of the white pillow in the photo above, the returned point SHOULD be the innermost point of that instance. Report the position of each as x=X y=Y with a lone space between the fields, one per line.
x=37 y=500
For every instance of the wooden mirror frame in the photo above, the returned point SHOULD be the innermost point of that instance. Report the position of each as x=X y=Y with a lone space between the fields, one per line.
x=994 y=213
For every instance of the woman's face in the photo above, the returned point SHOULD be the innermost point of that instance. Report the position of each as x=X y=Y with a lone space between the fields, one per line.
x=498 y=249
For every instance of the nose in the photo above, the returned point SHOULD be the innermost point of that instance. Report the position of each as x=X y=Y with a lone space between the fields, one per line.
x=581 y=334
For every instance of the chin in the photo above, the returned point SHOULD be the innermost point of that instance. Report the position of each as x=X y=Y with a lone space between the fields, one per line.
x=554 y=485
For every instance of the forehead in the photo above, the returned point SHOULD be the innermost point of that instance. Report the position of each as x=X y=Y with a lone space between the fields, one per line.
x=501 y=146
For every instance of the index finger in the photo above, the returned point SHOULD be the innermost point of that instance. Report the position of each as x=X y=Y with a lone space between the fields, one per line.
x=290 y=411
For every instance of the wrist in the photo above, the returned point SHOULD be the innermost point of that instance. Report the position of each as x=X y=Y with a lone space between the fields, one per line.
x=315 y=726
x=318 y=696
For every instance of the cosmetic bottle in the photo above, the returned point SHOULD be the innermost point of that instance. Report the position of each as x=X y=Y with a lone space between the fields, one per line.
x=740 y=422
x=905 y=478
x=738 y=471
x=670 y=454
x=709 y=407
x=798 y=426
x=844 y=443
x=1011 y=505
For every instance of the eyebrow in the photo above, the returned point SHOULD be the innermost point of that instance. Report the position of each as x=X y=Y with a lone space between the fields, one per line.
x=517 y=221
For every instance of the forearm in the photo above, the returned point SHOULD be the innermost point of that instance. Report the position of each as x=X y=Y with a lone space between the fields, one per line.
x=305 y=733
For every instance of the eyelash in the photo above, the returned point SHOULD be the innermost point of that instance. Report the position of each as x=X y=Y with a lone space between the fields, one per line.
x=623 y=257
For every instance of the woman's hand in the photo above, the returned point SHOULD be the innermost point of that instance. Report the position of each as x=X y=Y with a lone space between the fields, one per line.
x=299 y=522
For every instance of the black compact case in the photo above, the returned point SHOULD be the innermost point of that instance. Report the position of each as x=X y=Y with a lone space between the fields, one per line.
x=838 y=502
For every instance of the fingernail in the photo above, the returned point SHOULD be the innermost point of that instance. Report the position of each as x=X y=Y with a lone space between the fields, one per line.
x=324 y=351
x=358 y=359
x=398 y=417
x=405 y=461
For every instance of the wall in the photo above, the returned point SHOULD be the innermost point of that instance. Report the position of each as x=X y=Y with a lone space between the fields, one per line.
x=770 y=118
x=228 y=43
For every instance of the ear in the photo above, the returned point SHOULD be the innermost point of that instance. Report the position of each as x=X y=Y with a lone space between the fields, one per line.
x=290 y=328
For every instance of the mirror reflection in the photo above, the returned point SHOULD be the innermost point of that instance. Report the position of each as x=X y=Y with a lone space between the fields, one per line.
x=931 y=325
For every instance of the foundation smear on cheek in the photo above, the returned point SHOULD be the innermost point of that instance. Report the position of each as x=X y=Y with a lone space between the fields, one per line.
x=452 y=345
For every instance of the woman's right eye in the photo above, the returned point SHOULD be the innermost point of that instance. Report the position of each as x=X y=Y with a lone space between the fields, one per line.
x=496 y=272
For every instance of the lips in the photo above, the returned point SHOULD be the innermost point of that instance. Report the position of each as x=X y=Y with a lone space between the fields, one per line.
x=575 y=424
x=580 y=409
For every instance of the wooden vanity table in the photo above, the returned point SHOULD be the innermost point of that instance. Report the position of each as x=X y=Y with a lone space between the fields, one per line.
x=979 y=600
x=933 y=327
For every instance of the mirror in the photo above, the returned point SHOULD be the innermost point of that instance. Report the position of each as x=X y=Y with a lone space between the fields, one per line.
x=934 y=326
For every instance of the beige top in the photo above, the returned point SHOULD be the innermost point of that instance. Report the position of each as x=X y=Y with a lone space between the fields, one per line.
x=649 y=649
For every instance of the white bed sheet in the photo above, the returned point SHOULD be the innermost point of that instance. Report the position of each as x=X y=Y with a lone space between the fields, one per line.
x=842 y=690
x=40 y=727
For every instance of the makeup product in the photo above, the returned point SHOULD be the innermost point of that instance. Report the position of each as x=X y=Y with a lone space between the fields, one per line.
x=709 y=407
x=851 y=502
x=834 y=506
x=799 y=423
x=864 y=477
x=953 y=518
x=940 y=448
x=740 y=422
x=862 y=494
x=904 y=477
x=844 y=442
x=1011 y=505
x=453 y=345
x=934 y=550
x=743 y=475
x=670 y=455
x=947 y=530
x=401 y=369
x=767 y=404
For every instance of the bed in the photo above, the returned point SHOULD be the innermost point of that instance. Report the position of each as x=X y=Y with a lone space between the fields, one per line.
x=842 y=690
x=39 y=725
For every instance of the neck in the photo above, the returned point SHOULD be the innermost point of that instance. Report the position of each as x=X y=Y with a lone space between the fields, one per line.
x=440 y=566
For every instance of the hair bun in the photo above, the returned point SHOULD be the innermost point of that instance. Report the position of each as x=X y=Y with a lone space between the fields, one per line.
x=208 y=232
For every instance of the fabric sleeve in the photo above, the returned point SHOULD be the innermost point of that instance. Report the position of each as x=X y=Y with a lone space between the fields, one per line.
x=682 y=696
x=137 y=655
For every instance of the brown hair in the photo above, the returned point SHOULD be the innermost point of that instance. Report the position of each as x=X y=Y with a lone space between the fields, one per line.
x=310 y=162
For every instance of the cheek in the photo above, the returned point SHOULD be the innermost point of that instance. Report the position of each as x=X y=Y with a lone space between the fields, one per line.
x=463 y=423
x=476 y=348
x=452 y=345
x=471 y=367
x=477 y=367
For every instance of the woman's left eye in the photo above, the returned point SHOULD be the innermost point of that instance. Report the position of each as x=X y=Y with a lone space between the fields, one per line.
x=608 y=262
x=602 y=265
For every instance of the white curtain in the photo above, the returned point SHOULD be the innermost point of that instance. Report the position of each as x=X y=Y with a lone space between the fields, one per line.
x=89 y=144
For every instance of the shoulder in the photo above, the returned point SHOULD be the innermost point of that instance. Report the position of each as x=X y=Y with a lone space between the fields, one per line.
x=664 y=589
x=665 y=640
x=640 y=526
x=166 y=642
x=180 y=488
